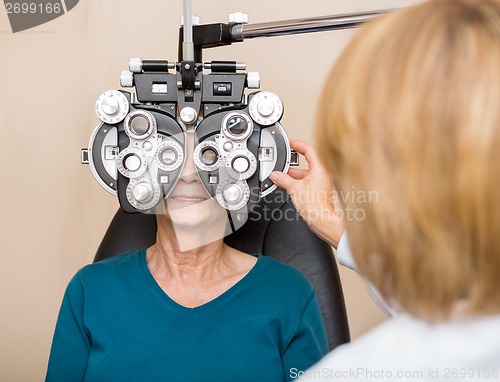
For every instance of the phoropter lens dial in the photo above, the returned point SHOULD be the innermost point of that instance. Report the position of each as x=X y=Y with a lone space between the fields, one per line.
x=139 y=124
x=233 y=195
x=143 y=194
x=237 y=126
x=206 y=156
x=132 y=162
x=241 y=164
x=170 y=155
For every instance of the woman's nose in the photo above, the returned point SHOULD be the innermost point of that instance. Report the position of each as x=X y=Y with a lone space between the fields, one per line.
x=189 y=173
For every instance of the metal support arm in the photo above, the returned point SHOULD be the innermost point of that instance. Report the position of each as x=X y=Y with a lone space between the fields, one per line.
x=213 y=35
x=297 y=26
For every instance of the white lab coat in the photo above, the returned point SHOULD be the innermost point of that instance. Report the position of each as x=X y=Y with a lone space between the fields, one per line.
x=406 y=349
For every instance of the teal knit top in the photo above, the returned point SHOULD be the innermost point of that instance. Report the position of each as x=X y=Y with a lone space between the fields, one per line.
x=117 y=324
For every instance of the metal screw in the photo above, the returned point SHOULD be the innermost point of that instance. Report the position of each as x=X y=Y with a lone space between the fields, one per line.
x=187 y=66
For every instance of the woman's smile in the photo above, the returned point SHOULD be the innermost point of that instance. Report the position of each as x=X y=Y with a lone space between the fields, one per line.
x=188 y=199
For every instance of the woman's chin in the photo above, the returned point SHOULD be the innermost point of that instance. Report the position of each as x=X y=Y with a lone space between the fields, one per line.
x=194 y=213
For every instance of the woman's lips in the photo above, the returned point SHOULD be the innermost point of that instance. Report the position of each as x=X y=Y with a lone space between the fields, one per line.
x=188 y=199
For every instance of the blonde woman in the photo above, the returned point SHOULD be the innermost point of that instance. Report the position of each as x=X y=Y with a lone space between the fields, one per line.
x=412 y=112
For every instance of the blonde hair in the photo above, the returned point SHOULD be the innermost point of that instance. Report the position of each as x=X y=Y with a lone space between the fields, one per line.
x=411 y=110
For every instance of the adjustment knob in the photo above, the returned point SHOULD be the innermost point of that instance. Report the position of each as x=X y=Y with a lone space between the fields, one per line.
x=135 y=65
x=188 y=115
x=132 y=162
x=232 y=193
x=238 y=18
x=253 y=80
x=241 y=164
x=111 y=107
x=266 y=108
x=126 y=79
x=143 y=192
x=228 y=146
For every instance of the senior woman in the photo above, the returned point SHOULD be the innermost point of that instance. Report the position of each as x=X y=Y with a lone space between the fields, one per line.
x=189 y=308
x=412 y=111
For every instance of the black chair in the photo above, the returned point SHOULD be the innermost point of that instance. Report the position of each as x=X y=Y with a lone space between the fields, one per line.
x=274 y=228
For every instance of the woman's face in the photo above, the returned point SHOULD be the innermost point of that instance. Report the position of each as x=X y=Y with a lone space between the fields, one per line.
x=189 y=204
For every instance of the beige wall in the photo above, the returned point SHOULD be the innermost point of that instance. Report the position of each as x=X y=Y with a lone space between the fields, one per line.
x=53 y=211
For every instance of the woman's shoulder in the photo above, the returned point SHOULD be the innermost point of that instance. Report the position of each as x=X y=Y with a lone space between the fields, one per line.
x=112 y=266
x=283 y=278
x=110 y=277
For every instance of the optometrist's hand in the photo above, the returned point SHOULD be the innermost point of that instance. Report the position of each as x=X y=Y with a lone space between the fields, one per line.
x=312 y=194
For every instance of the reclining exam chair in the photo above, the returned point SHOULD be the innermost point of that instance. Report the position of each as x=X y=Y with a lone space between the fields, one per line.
x=275 y=229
